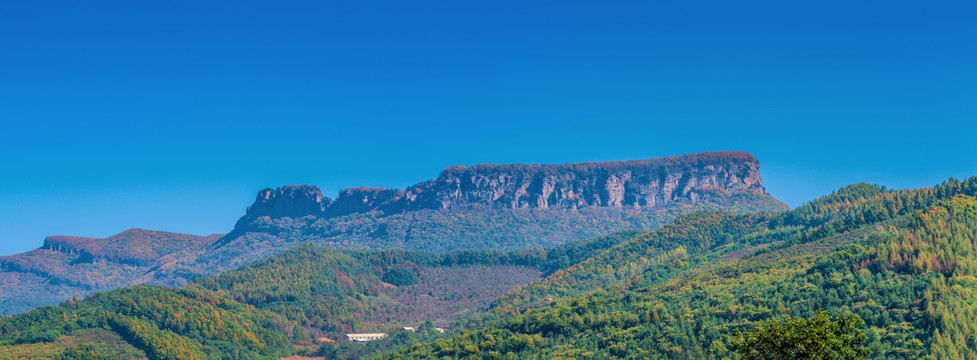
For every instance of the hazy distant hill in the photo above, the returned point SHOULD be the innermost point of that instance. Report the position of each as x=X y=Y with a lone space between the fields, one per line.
x=499 y=207
x=66 y=265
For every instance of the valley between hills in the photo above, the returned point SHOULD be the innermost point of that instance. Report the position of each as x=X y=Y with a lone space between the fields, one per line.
x=658 y=258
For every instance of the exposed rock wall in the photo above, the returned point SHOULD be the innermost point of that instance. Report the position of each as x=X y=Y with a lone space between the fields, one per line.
x=652 y=182
x=289 y=201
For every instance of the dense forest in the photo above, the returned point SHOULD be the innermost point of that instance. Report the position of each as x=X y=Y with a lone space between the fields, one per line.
x=162 y=322
x=901 y=260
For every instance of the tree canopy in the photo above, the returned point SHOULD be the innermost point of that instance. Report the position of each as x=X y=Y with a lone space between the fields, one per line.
x=816 y=338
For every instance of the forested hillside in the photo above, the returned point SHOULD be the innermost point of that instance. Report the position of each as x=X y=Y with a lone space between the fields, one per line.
x=304 y=296
x=335 y=291
x=901 y=260
x=161 y=322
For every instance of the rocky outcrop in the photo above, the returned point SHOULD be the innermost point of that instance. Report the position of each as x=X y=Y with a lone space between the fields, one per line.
x=289 y=201
x=360 y=200
x=643 y=183
x=652 y=182
x=292 y=201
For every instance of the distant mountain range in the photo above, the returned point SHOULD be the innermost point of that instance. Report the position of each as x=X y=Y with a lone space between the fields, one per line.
x=486 y=206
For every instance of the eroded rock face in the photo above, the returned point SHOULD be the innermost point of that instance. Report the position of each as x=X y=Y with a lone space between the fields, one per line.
x=651 y=182
x=361 y=200
x=289 y=201
x=293 y=201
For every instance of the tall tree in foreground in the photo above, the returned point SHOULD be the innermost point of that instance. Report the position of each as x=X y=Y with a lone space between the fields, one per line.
x=819 y=337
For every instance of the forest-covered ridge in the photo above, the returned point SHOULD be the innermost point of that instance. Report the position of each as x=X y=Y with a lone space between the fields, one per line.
x=901 y=260
x=304 y=295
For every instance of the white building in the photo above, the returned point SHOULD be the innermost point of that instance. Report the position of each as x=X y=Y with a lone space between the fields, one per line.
x=364 y=337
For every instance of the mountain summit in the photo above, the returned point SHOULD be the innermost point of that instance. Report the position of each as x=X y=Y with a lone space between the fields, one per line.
x=636 y=183
x=511 y=206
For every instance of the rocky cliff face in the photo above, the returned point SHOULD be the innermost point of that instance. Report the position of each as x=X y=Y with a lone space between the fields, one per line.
x=289 y=201
x=652 y=182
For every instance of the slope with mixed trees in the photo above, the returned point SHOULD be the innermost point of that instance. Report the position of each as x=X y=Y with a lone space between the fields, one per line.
x=903 y=261
x=331 y=292
x=487 y=206
x=304 y=296
x=159 y=322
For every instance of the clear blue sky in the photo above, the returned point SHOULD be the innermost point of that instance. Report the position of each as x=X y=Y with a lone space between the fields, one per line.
x=172 y=115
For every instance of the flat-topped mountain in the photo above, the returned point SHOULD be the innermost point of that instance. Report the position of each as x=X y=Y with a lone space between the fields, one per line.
x=501 y=207
x=635 y=183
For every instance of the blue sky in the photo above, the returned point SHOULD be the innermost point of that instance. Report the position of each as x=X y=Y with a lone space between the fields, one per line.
x=171 y=116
